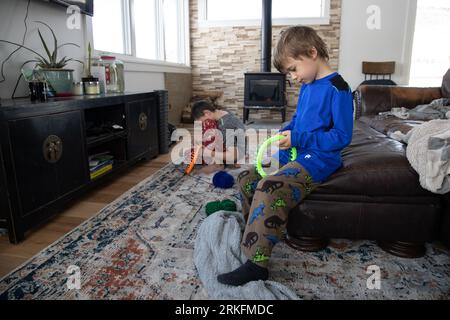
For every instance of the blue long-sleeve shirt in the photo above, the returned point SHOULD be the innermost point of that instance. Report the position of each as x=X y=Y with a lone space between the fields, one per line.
x=321 y=127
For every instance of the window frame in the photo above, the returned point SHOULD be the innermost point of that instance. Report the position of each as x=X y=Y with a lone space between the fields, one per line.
x=129 y=38
x=203 y=22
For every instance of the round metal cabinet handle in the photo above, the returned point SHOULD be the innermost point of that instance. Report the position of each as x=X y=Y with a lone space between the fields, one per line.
x=52 y=149
x=143 y=120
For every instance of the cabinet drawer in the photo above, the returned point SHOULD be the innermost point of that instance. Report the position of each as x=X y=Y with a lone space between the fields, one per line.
x=48 y=156
x=143 y=127
x=72 y=169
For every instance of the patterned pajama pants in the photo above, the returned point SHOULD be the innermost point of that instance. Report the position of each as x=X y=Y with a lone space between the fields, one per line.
x=266 y=203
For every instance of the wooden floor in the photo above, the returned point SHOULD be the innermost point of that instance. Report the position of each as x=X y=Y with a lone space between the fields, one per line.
x=13 y=255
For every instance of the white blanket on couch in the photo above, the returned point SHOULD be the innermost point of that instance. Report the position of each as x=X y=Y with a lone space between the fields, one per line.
x=428 y=152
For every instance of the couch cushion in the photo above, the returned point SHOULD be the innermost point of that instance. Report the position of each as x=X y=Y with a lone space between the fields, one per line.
x=374 y=166
x=387 y=124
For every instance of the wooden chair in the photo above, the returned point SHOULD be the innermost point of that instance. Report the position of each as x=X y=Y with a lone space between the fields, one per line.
x=378 y=72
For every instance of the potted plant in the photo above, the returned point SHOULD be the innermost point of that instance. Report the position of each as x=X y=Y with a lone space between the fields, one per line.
x=91 y=84
x=50 y=66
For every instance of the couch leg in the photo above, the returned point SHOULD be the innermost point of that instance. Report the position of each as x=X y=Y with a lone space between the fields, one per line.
x=403 y=249
x=306 y=243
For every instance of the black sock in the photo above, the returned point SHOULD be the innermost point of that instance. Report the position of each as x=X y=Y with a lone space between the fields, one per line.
x=245 y=273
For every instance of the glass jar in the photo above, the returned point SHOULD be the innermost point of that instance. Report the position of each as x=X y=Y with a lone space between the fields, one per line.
x=78 y=89
x=91 y=86
x=114 y=73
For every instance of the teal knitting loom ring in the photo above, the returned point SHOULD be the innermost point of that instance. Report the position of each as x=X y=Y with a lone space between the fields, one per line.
x=262 y=149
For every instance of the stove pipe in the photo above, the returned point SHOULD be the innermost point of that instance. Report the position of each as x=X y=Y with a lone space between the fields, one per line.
x=266 y=36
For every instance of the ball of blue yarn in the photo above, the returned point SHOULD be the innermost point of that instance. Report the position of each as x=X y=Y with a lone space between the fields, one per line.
x=223 y=180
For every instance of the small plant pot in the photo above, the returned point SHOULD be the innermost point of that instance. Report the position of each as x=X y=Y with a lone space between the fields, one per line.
x=61 y=80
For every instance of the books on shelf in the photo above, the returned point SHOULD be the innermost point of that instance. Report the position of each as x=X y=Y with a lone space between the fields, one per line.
x=100 y=163
x=97 y=158
x=101 y=171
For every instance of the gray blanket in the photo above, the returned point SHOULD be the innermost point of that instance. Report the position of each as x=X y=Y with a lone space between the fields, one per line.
x=437 y=109
x=217 y=250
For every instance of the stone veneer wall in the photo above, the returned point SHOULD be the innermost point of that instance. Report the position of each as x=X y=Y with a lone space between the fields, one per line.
x=221 y=55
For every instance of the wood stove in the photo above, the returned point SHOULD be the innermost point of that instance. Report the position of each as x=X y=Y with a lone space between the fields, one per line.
x=265 y=91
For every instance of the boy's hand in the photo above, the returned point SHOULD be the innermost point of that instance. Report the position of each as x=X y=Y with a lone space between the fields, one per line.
x=285 y=143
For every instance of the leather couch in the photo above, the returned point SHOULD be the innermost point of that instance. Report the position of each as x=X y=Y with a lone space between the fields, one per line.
x=376 y=195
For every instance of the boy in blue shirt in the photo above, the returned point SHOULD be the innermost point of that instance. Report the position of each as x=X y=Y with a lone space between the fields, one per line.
x=321 y=127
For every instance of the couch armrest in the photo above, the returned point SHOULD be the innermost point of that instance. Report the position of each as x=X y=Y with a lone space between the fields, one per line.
x=373 y=99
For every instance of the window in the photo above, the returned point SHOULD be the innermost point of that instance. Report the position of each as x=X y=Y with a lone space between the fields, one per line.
x=248 y=12
x=171 y=30
x=108 y=26
x=431 y=49
x=146 y=29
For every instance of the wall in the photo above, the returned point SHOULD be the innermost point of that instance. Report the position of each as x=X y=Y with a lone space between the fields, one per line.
x=138 y=76
x=393 y=42
x=179 y=86
x=143 y=81
x=221 y=55
x=12 y=14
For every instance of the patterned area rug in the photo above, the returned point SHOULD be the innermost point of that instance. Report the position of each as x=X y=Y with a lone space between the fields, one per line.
x=141 y=247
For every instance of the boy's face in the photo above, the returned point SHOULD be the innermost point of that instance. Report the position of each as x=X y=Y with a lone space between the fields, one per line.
x=207 y=115
x=303 y=69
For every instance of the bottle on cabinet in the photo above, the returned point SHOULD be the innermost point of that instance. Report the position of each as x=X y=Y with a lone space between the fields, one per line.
x=110 y=71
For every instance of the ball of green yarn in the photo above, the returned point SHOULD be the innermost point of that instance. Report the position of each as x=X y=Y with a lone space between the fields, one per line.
x=227 y=205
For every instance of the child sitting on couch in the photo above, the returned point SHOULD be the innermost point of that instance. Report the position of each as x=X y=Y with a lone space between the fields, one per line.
x=321 y=127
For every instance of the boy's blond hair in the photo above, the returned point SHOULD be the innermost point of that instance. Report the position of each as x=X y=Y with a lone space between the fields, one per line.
x=298 y=41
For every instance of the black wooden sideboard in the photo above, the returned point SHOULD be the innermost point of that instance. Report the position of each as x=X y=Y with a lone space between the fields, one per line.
x=46 y=146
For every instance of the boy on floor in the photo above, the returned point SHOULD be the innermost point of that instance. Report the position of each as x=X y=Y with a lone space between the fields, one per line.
x=321 y=127
x=208 y=113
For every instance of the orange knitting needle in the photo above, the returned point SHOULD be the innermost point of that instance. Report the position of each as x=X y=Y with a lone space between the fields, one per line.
x=194 y=157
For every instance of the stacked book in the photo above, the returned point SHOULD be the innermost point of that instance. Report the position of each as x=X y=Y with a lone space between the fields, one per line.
x=100 y=164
